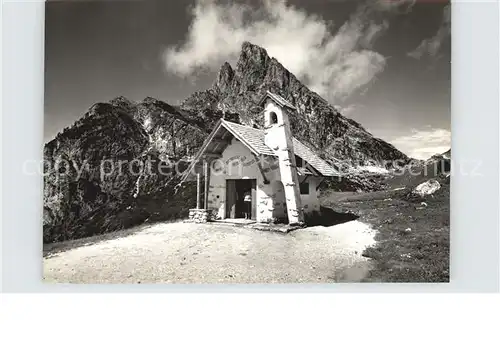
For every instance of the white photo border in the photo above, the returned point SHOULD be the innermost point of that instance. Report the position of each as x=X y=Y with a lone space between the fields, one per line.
x=474 y=218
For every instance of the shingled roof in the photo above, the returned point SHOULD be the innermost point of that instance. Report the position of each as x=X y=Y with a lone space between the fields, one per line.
x=254 y=139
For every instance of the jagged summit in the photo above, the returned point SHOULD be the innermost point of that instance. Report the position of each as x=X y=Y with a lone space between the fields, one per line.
x=249 y=46
x=316 y=122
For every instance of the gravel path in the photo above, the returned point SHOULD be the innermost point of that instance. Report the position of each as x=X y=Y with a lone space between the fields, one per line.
x=208 y=253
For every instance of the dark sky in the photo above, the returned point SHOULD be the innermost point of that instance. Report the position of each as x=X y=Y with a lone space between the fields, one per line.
x=98 y=50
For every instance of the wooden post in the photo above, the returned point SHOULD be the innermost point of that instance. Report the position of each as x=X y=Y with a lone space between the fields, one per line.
x=205 y=169
x=198 y=190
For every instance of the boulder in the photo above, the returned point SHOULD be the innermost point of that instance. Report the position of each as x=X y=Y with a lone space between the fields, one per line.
x=427 y=188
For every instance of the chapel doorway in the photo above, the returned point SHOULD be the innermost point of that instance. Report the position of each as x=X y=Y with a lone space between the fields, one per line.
x=236 y=189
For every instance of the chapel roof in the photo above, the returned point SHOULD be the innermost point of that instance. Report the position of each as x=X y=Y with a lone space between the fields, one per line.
x=254 y=140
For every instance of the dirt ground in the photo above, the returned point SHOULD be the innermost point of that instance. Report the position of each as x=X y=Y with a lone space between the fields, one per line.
x=209 y=253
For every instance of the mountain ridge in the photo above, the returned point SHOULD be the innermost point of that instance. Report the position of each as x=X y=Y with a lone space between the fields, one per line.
x=82 y=202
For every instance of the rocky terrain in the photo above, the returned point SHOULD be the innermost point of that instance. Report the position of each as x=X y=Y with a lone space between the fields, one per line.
x=92 y=186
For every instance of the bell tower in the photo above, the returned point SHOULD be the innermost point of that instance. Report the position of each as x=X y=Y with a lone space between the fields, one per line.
x=278 y=137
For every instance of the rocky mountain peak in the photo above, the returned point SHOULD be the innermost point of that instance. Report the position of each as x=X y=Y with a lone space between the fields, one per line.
x=121 y=100
x=316 y=123
x=251 y=67
x=254 y=54
x=125 y=104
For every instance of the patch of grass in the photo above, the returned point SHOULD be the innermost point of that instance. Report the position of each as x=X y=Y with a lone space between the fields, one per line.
x=413 y=243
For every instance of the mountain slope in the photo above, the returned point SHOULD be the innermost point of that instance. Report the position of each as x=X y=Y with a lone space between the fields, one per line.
x=338 y=139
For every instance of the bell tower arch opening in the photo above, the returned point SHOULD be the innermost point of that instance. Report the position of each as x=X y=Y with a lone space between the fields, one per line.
x=273 y=117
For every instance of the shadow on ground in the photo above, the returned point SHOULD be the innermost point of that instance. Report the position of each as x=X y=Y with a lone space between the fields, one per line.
x=328 y=217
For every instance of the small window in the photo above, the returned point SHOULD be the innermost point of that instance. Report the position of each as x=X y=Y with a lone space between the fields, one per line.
x=273 y=117
x=304 y=188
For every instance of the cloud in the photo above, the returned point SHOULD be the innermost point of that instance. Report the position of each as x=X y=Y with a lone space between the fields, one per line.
x=422 y=144
x=431 y=46
x=333 y=64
